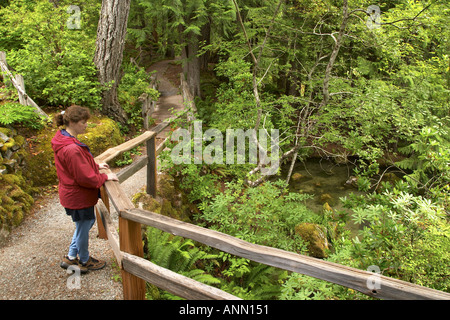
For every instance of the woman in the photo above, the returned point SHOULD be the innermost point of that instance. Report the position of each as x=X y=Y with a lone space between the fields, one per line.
x=79 y=183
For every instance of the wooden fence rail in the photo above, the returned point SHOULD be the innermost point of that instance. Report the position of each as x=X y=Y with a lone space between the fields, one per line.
x=127 y=247
x=349 y=277
x=19 y=84
x=148 y=104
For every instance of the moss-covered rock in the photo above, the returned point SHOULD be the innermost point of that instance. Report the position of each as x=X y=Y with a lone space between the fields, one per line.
x=170 y=201
x=327 y=207
x=6 y=131
x=315 y=237
x=145 y=201
x=166 y=187
x=39 y=160
x=326 y=198
x=15 y=200
x=297 y=176
x=102 y=134
x=15 y=191
x=8 y=145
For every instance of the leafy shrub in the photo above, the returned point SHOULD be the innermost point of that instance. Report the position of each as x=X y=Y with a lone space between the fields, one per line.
x=429 y=160
x=102 y=133
x=406 y=236
x=133 y=84
x=16 y=113
x=56 y=62
x=265 y=215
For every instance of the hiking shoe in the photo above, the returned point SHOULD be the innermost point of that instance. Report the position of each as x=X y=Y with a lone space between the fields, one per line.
x=93 y=264
x=66 y=263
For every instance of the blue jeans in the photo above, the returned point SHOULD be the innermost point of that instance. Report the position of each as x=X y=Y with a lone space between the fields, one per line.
x=80 y=240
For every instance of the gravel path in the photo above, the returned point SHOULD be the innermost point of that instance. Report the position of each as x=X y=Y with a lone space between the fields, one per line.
x=30 y=257
x=29 y=262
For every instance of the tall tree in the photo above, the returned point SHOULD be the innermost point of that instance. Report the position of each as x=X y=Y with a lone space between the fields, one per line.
x=112 y=28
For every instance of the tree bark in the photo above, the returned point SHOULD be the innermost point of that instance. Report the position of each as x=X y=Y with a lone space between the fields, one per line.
x=112 y=28
x=191 y=67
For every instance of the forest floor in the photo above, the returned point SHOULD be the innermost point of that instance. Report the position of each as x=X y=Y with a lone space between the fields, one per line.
x=30 y=257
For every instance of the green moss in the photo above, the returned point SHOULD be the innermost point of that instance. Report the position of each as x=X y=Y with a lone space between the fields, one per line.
x=166 y=188
x=15 y=201
x=40 y=165
x=315 y=237
x=102 y=134
x=20 y=141
x=170 y=203
x=146 y=202
x=5 y=131
x=168 y=210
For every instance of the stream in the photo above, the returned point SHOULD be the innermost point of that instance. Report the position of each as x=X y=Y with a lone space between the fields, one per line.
x=326 y=181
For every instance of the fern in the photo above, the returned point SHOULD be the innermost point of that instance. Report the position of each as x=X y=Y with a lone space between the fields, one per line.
x=14 y=113
x=260 y=282
x=178 y=255
x=428 y=159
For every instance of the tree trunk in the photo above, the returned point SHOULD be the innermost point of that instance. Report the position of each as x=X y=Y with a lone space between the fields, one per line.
x=206 y=40
x=191 y=65
x=111 y=31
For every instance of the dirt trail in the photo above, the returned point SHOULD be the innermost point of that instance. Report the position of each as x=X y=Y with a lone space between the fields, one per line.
x=167 y=76
x=30 y=257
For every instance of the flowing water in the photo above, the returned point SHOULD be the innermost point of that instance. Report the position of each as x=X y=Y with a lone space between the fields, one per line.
x=326 y=181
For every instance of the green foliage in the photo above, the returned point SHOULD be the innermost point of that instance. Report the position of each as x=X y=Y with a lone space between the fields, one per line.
x=16 y=113
x=134 y=83
x=261 y=215
x=198 y=181
x=406 y=236
x=389 y=90
x=249 y=280
x=56 y=62
x=300 y=287
x=235 y=100
x=429 y=158
x=126 y=158
x=178 y=255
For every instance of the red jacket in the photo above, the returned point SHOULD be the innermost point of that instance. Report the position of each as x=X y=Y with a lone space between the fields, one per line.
x=78 y=173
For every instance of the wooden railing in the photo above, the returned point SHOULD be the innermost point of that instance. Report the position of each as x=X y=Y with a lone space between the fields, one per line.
x=19 y=84
x=128 y=248
x=148 y=104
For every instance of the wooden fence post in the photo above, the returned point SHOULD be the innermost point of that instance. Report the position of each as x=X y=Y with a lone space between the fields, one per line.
x=130 y=239
x=145 y=108
x=151 y=167
x=21 y=83
x=100 y=222
x=3 y=63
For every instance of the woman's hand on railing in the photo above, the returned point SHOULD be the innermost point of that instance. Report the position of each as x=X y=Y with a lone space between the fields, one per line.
x=112 y=177
x=103 y=165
